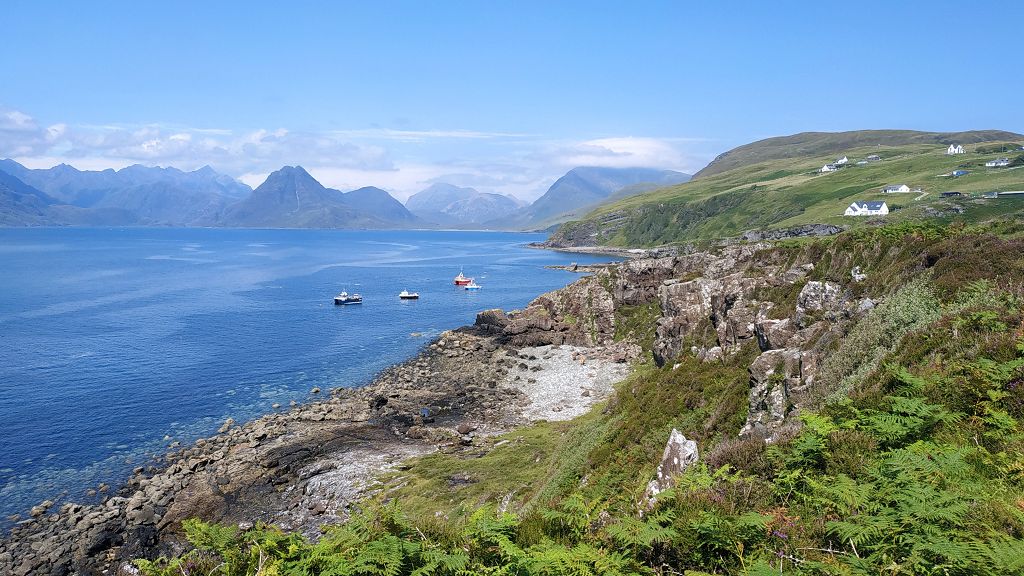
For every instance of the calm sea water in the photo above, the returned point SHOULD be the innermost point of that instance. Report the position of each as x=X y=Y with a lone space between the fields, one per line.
x=116 y=342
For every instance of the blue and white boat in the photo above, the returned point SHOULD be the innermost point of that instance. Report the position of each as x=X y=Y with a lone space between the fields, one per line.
x=345 y=299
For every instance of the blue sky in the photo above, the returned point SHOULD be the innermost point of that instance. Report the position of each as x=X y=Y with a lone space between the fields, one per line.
x=503 y=96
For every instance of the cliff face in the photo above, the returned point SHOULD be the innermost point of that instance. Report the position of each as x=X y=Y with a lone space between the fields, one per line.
x=740 y=299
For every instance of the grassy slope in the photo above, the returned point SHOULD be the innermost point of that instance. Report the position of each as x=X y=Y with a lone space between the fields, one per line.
x=837 y=143
x=788 y=192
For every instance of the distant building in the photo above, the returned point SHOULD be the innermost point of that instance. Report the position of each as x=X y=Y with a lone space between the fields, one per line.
x=861 y=162
x=998 y=163
x=842 y=161
x=829 y=168
x=955 y=149
x=874 y=158
x=862 y=208
x=896 y=189
x=959 y=173
x=990 y=195
x=951 y=194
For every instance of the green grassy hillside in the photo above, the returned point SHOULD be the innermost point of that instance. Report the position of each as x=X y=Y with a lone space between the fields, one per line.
x=818 y=143
x=787 y=192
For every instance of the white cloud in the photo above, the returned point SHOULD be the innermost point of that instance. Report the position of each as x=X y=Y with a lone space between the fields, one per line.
x=623 y=152
x=423 y=135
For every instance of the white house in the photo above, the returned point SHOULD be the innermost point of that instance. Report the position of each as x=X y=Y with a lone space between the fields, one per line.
x=828 y=168
x=896 y=189
x=842 y=161
x=998 y=163
x=862 y=208
x=955 y=149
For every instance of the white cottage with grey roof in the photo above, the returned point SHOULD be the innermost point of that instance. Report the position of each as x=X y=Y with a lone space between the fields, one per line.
x=896 y=189
x=863 y=208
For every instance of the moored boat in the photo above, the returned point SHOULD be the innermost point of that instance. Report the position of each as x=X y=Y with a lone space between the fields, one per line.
x=406 y=295
x=345 y=299
x=462 y=279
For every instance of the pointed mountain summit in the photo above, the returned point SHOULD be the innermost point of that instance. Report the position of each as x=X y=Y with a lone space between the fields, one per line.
x=292 y=198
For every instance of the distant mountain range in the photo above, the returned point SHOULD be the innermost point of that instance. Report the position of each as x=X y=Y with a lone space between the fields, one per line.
x=24 y=205
x=449 y=205
x=292 y=198
x=149 y=196
x=155 y=196
x=584 y=188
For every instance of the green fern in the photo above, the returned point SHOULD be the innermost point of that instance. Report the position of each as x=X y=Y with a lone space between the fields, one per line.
x=641 y=535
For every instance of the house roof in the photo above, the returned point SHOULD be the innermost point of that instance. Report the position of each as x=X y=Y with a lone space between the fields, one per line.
x=893 y=186
x=863 y=205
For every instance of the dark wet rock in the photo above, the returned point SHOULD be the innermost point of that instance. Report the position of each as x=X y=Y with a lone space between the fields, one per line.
x=491 y=321
x=802 y=231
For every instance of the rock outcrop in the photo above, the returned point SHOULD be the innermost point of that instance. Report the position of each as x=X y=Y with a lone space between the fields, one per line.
x=679 y=455
x=819 y=300
x=581 y=314
x=794 y=232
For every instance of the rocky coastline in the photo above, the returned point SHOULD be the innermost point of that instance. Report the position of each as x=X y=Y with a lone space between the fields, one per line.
x=304 y=468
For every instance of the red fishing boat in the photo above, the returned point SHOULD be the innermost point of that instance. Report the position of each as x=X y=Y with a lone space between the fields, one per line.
x=463 y=280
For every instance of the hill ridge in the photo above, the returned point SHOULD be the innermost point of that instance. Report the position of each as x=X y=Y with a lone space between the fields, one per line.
x=806 y=143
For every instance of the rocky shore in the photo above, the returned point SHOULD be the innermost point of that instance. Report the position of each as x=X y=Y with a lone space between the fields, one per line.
x=304 y=468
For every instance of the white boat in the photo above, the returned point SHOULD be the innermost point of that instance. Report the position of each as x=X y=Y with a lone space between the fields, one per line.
x=345 y=299
x=473 y=286
x=406 y=295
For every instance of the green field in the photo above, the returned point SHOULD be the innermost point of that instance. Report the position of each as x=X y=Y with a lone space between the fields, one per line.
x=787 y=192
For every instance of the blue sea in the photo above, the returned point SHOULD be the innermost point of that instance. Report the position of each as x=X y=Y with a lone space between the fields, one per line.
x=116 y=342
